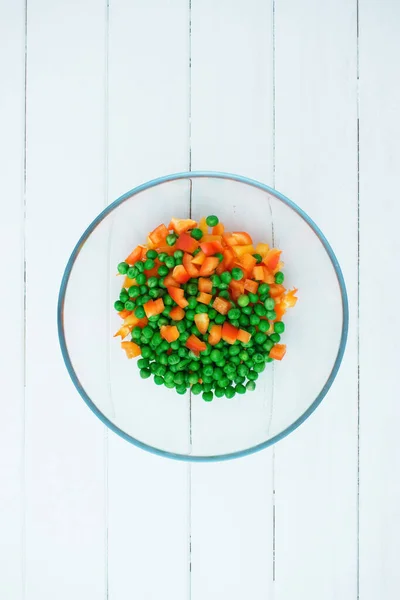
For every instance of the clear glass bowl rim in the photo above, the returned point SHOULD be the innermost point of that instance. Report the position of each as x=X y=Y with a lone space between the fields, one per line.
x=192 y=175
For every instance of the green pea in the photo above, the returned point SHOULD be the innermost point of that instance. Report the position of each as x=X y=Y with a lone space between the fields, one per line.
x=208 y=396
x=190 y=315
x=224 y=294
x=250 y=386
x=118 y=305
x=152 y=282
x=263 y=289
x=260 y=338
x=234 y=350
x=129 y=305
x=260 y=310
x=170 y=262
x=253 y=298
x=212 y=220
x=163 y=270
x=136 y=333
x=145 y=373
x=263 y=326
x=220 y=319
x=252 y=375
x=215 y=355
x=194 y=366
x=192 y=289
x=154 y=293
x=226 y=277
x=279 y=327
x=271 y=315
x=219 y=392
x=235 y=360
x=212 y=313
x=171 y=239
x=139 y=312
x=268 y=345
x=258 y=258
x=258 y=358
x=183 y=338
x=123 y=295
x=244 y=321
x=169 y=384
x=168 y=300
x=237 y=273
x=163 y=358
x=174 y=345
x=123 y=268
x=219 y=256
x=162 y=256
x=223 y=286
x=196 y=233
x=197 y=388
x=141 y=279
x=269 y=304
x=139 y=266
x=243 y=300
x=259 y=367
x=229 y=392
x=132 y=272
x=134 y=291
x=275 y=338
x=279 y=277
x=151 y=254
x=173 y=359
x=201 y=308
x=240 y=389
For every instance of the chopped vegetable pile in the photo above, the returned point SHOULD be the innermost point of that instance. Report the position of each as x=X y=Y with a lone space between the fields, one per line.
x=204 y=310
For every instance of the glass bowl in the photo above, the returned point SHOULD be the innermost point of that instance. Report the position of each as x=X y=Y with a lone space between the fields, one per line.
x=185 y=427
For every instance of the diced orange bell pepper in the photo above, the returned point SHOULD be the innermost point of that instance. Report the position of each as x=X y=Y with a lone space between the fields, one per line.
x=251 y=286
x=205 y=285
x=210 y=248
x=242 y=238
x=181 y=225
x=229 y=239
x=177 y=313
x=124 y=331
x=229 y=258
x=166 y=249
x=124 y=313
x=169 y=333
x=203 y=225
x=154 y=307
x=202 y=321
x=258 y=273
x=280 y=310
x=248 y=262
x=244 y=336
x=151 y=245
x=135 y=255
x=215 y=334
x=290 y=298
x=209 y=265
x=189 y=266
x=268 y=276
x=229 y=333
x=128 y=282
x=180 y=274
x=210 y=237
x=135 y=322
x=271 y=259
x=220 y=268
x=193 y=343
x=241 y=250
x=170 y=281
x=159 y=235
x=276 y=290
x=199 y=258
x=278 y=351
x=186 y=243
x=218 y=229
x=204 y=298
x=237 y=288
x=132 y=350
x=221 y=305
x=178 y=295
x=262 y=249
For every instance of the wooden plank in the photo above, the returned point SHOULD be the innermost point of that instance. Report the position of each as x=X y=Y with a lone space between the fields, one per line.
x=65 y=468
x=148 y=89
x=12 y=107
x=379 y=50
x=316 y=166
x=231 y=130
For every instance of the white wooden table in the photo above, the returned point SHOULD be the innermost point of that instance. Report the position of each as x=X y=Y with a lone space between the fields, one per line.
x=97 y=96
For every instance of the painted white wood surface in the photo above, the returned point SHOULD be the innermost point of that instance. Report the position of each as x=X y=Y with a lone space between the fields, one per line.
x=12 y=107
x=379 y=371
x=119 y=92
